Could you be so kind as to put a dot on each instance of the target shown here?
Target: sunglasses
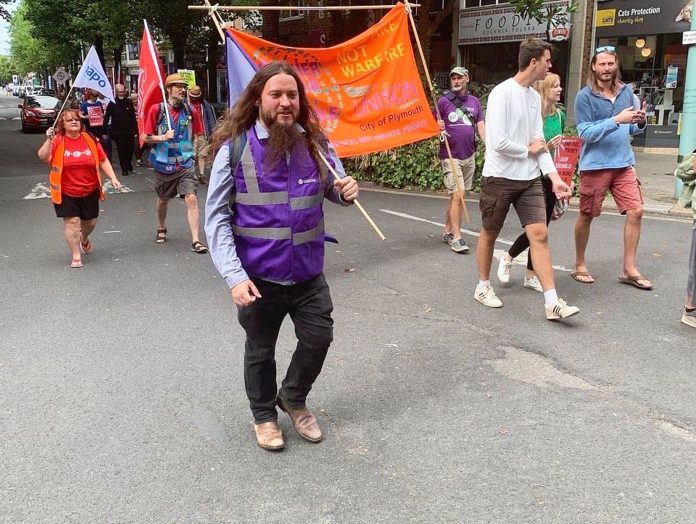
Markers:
(71, 120)
(605, 49)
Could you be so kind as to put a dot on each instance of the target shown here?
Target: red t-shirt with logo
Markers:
(153, 115)
(79, 177)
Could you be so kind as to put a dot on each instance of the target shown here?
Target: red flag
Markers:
(149, 79)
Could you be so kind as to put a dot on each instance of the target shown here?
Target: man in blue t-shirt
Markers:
(461, 115)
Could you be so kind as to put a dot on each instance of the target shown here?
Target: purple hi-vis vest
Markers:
(277, 217)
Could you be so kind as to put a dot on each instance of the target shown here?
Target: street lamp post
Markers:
(687, 138)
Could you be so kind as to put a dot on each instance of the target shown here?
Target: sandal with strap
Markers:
(198, 247)
(161, 237)
(86, 247)
(75, 263)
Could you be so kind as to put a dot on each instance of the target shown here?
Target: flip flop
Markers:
(578, 277)
(635, 282)
(75, 263)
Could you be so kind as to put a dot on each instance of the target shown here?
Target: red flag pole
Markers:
(155, 58)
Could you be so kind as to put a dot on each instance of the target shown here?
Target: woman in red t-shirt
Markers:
(79, 185)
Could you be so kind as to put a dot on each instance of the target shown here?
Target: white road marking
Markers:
(497, 253)
(17, 118)
(108, 232)
(2, 117)
(41, 190)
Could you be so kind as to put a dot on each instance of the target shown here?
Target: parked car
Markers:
(38, 112)
(45, 92)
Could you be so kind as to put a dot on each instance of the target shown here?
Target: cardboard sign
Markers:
(95, 115)
(566, 157)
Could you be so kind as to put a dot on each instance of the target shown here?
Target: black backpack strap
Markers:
(236, 146)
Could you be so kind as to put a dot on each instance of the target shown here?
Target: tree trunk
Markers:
(118, 69)
(427, 24)
(271, 22)
(179, 48)
(213, 52)
(99, 47)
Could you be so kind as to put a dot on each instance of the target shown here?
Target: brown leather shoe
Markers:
(303, 420)
(269, 436)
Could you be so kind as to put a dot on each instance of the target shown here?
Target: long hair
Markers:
(592, 81)
(544, 86)
(60, 126)
(245, 112)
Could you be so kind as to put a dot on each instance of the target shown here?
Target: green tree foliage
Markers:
(26, 50)
(542, 12)
(7, 69)
(173, 19)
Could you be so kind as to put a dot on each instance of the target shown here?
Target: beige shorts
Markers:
(200, 147)
(465, 168)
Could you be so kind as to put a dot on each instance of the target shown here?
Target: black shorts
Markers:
(86, 207)
(183, 182)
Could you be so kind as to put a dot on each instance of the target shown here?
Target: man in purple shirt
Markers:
(461, 112)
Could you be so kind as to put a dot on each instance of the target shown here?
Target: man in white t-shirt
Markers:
(516, 156)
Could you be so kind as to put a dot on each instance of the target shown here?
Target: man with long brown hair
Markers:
(265, 225)
(607, 115)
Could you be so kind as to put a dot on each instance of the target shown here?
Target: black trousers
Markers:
(309, 306)
(125, 147)
(522, 241)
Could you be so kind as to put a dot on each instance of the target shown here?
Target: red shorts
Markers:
(622, 182)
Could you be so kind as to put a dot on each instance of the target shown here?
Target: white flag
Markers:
(92, 76)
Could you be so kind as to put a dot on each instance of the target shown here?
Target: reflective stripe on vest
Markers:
(56, 173)
(280, 233)
(254, 196)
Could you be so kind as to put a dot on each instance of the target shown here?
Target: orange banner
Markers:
(367, 91)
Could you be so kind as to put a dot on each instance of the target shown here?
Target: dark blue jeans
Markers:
(309, 306)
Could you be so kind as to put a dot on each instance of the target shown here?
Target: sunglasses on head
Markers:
(605, 49)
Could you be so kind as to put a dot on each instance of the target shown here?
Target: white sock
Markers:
(550, 297)
(483, 283)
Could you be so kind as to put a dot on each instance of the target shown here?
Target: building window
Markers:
(133, 51)
(483, 3)
(292, 15)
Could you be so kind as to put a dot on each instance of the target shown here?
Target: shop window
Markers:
(483, 3)
(655, 66)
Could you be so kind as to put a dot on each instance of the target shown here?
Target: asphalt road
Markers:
(121, 384)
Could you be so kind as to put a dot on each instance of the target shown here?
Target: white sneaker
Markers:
(504, 270)
(533, 283)
(487, 297)
(560, 310)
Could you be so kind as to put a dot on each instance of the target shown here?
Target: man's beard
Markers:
(282, 139)
(457, 89)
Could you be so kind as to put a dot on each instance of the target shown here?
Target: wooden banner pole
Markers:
(213, 14)
(357, 204)
(460, 189)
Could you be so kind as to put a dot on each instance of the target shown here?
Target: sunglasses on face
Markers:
(66, 120)
(605, 49)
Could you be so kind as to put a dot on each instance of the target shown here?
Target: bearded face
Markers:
(605, 67)
(282, 140)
